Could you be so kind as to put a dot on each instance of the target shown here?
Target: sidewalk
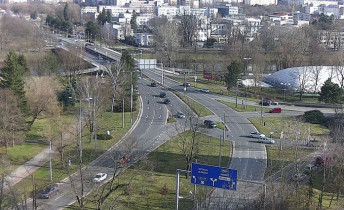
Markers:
(27, 168)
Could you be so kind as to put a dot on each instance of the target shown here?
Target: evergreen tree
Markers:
(133, 22)
(12, 76)
(233, 74)
(65, 12)
(128, 61)
(108, 16)
(68, 96)
(330, 92)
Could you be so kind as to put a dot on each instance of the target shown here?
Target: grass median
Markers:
(200, 110)
(275, 124)
(153, 180)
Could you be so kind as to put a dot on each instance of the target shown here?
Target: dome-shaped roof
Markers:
(306, 78)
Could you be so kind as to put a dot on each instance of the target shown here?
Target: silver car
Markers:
(256, 135)
(180, 115)
(266, 140)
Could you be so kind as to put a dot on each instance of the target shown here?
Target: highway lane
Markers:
(248, 158)
(150, 132)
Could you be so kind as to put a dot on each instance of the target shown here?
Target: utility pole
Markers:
(122, 112)
(261, 112)
(131, 98)
(50, 162)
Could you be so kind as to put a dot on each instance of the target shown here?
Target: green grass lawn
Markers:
(19, 154)
(108, 121)
(275, 124)
(149, 176)
(278, 159)
(242, 107)
(200, 110)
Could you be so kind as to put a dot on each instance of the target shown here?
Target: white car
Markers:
(256, 135)
(100, 177)
(205, 90)
(266, 140)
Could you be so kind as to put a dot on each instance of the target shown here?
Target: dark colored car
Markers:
(153, 84)
(209, 124)
(50, 191)
(265, 103)
(167, 101)
(187, 84)
(162, 95)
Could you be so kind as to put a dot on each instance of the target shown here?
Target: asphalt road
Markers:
(150, 132)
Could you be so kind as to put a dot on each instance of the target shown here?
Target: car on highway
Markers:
(186, 84)
(266, 140)
(153, 84)
(265, 103)
(162, 95)
(255, 134)
(299, 177)
(125, 159)
(209, 124)
(180, 115)
(50, 191)
(100, 177)
(204, 90)
(275, 110)
(167, 101)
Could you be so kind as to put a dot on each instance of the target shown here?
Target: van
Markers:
(276, 110)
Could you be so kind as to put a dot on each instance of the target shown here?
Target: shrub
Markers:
(104, 137)
(314, 117)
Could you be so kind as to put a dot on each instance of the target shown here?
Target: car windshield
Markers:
(98, 175)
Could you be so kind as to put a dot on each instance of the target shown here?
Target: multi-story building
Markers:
(144, 39)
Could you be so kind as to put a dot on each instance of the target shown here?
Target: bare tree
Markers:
(303, 80)
(40, 92)
(167, 40)
(188, 28)
(114, 72)
(315, 74)
(94, 88)
(11, 117)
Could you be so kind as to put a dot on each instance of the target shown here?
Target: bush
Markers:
(104, 137)
(314, 117)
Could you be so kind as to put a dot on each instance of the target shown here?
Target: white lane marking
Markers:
(159, 116)
(147, 116)
(160, 107)
(148, 107)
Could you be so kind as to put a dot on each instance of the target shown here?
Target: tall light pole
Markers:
(80, 126)
(236, 93)
(285, 88)
(50, 163)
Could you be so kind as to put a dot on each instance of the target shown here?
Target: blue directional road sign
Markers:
(214, 176)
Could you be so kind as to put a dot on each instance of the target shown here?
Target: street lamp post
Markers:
(284, 89)
(236, 93)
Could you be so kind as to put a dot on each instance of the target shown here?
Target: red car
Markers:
(125, 159)
(276, 110)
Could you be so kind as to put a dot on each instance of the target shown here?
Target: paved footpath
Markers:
(27, 168)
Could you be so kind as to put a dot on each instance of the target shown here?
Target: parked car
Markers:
(310, 167)
(276, 110)
(257, 135)
(266, 140)
(153, 84)
(209, 124)
(167, 101)
(265, 103)
(187, 84)
(180, 115)
(162, 95)
(274, 103)
(100, 177)
(138, 77)
(50, 191)
(205, 90)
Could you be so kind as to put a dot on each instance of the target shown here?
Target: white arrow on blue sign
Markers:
(214, 176)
